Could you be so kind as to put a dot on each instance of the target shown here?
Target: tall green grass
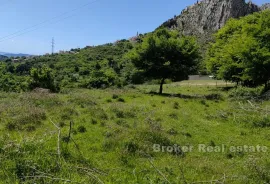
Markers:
(107, 136)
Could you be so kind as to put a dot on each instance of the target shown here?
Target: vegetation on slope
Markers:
(165, 55)
(107, 65)
(241, 52)
(113, 132)
(97, 66)
(122, 135)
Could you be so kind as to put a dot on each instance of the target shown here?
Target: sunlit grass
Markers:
(114, 130)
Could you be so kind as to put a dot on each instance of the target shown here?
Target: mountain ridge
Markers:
(205, 17)
(2, 57)
(7, 54)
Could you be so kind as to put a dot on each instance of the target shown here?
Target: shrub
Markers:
(121, 100)
(81, 129)
(262, 122)
(176, 105)
(203, 102)
(245, 93)
(99, 113)
(173, 116)
(66, 139)
(122, 123)
(30, 128)
(43, 77)
(109, 100)
(94, 121)
(11, 126)
(62, 124)
(127, 113)
(102, 124)
(131, 147)
(119, 113)
(67, 113)
(187, 134)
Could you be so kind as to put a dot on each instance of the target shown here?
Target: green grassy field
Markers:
(113, 133)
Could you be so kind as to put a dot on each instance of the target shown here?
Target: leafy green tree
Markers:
(241, 51)
(164, 55)
(43, 78)
(23, 68)
(102, 75)
(10, 68)
(12, 83)
(93, 66)
(130, 74)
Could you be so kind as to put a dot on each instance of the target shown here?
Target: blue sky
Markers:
(100, 22)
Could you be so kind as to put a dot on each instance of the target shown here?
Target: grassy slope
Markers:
(121, 128)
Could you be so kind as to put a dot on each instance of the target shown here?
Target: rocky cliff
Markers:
(207, 16)
(265, 6)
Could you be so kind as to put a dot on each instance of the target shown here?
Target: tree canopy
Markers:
(89, 67)
(241, 51)
(43, 78)
(165, 54)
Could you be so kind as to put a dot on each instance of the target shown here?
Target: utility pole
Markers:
(53, 46)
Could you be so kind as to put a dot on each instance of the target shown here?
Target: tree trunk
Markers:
(161, 86)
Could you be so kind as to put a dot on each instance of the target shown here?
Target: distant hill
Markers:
(13, 54)
(3, 57)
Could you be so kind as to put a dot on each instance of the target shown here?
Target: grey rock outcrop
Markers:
(265, 6)
(207, 16)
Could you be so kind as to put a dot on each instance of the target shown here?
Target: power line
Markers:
(28, 29)
(44, 22)
(60, 20)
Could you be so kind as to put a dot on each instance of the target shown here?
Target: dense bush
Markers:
(43, 78)
(246, 93)
(165, 54)
(13, 83)
(91, 67)
(241, 51)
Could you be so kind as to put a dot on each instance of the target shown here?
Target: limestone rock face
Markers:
(265, 6)
(207, 16)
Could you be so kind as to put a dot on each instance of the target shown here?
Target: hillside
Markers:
(206, 17)
(128, 113)
(13, 54)
(2, 57)
(97, 66)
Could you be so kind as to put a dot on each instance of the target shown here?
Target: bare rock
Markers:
(207, 16)
(265, 6)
